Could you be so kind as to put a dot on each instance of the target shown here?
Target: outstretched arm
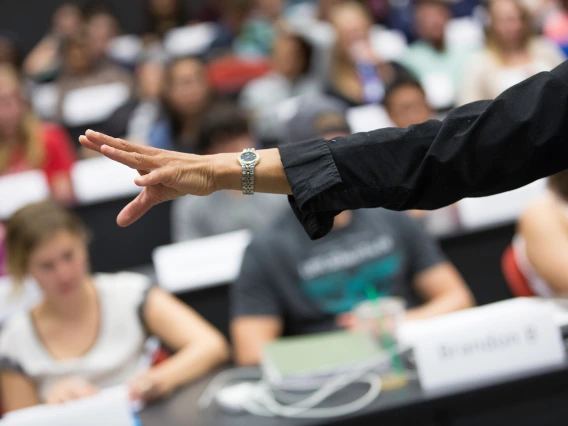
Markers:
(480, 149)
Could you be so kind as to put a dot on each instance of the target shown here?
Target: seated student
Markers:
(187, 95)
(224, 129)
(291, 284)
(28, 144)
(90, 330)
(540, 248)
(406, 104)
(290, 77)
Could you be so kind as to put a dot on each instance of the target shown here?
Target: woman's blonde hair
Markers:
(32, 225)
(342, 66)
(492, 41)
(30, 127)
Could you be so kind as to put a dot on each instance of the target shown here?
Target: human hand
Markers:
(164, 174)
(347, 321)
(148, 386)
(70, 389)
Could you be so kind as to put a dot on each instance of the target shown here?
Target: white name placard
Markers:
(200, 263)
(485, 344)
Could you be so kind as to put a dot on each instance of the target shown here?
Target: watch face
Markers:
(248, 157)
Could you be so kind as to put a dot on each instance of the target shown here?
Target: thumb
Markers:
(135, 209)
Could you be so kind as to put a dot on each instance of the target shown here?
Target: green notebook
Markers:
(301, 362)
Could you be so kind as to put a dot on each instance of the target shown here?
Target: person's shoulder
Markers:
(538, 214)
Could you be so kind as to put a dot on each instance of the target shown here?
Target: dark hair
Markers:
(398, 85)
(32, 225)
(168, 113)
(14, 43)
(440, 3)
(223, 121)
(99, 7)
(306, 51)
(559, 184)
(153, 23)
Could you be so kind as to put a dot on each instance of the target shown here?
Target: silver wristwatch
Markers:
(248, 159)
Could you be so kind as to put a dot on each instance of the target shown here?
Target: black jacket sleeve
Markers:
(480, 149)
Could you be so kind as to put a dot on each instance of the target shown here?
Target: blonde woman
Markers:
(357, 74)
(512, 53)
(28, 144)
(89, 331)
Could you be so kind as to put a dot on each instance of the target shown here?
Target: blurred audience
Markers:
(89, 87)
(357, 74)
(101, 27)
(230, 17)
(430, 59)
(28, 144)
(187, 96)
(45, 60)
(556, 26)
(163, 16)
(325, 9)
(290, 77)
(89, 331)
(225, 129)
(291, 284)
(512, 53)
(258, 32)
(536, 264)
(135, 119)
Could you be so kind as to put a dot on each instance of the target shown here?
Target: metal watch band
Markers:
(248, 179)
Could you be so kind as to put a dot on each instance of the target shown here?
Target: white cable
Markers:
(306, 411)
(221, 380)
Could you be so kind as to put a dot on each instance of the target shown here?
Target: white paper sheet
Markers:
(111, 407)
(100, 179)
(367, 118)
(200, 263)
(500, 208)
(20, 189)
(190, 40)
(93, 104)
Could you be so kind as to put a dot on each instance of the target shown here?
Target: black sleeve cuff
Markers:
(310, 170)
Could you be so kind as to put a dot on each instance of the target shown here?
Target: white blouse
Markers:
(114, 357)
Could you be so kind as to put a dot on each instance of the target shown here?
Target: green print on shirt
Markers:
(340, 291)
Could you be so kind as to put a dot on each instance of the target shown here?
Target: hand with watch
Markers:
(166, 175)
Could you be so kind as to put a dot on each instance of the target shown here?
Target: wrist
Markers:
(227, 172)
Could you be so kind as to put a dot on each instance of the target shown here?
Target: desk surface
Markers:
(538, 399)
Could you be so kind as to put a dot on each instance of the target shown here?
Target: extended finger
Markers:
(83, 140)
(135, 209)
(100, 139)
(133, 160)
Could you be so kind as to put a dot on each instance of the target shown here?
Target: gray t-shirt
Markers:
(307, 283)
(222, 211)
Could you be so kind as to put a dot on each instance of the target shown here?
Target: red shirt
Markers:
(59, 154)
